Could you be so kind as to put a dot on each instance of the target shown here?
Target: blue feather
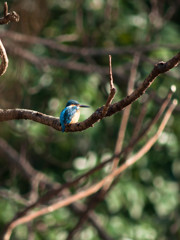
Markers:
(66, 116)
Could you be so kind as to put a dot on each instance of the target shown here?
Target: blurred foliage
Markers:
(145, 202)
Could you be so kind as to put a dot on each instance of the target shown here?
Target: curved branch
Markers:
(161, 67)
(8, 17)
(4, 59)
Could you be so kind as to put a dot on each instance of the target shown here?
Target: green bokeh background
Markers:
(144, 205)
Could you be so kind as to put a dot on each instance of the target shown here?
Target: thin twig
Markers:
(112, 90)
(110, 73)
(5, 9)
(80, 195)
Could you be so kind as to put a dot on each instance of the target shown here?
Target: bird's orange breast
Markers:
(75, 118)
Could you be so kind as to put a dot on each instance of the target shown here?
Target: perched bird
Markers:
(70, 114)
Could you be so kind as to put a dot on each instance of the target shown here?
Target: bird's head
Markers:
(75, 103)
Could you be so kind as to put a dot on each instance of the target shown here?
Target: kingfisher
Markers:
(71, 113)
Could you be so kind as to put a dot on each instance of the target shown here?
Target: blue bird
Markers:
(70, 114)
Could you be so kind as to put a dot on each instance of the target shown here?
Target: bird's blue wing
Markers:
(62, 120)
(69, 113)
(66, 116)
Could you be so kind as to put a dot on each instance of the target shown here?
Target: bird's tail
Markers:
(63, 127)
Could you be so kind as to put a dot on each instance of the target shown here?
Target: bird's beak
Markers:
(85, 106)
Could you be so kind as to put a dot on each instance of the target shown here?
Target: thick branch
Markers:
(10, 114)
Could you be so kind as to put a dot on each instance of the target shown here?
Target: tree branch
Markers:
(112, 90)
(11, 114)
(4, 59)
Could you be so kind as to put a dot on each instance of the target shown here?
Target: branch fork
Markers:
(9, 17)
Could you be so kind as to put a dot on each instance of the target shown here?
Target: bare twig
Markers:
(159, 68)
(5, 9)
(112, 90)
(110, 73)
(9, 17)
(82, 194)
